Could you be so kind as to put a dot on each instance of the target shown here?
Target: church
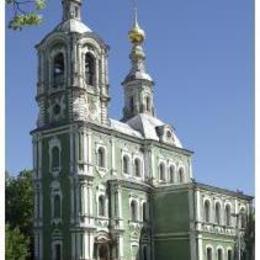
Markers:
(117, 189)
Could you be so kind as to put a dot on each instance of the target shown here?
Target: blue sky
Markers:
(200, 55)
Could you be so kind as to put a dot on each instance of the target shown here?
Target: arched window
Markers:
(58, 70)
(57, 251)
(227, 215)
(172, 170)
(220, 254)
(229, 254)
(101, 157)
(137, 165)
(209, 253)
(126, 164)
(145, 211)
(101, 206)
(148, 103)
(57, 206)
(207, 211)
(89, 69)
(131, 104)
(145, 253)
(162, 172)
(181, 175)
(217, 213)
(55, 152)
(242, 218)
(133, 210)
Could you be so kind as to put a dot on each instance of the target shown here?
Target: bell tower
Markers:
(72, 72)
(138, 84)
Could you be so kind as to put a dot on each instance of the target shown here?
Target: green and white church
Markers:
(108, 189)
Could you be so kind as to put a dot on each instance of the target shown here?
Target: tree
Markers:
(19, 204)
(16, 244)
(25, 12)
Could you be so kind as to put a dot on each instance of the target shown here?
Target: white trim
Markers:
(53, 244)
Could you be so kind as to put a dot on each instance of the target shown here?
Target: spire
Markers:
(71, 9)
(138, 85)
(137, 56)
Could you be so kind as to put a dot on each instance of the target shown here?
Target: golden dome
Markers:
(136, 34)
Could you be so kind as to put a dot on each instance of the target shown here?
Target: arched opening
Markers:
(229, 254)
(181, 175)
(103, 252)
(145, 211)
(57, 251)
(227, 215)
(207, 211)
(242, 218)
(58, 70)
(148, 103)
(172, 171)
(131, 104)
(89, 69)
(55, 152)
(101, 157)
(217, 213)
(133, 210)
(137, 165)
(145, 253)
(101, 206)
(220, 254)
(162, 172)
(209, 253)
(125, 164)
(57, 206)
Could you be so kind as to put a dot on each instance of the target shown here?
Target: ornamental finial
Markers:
(136, 34)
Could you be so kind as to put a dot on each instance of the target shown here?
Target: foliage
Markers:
(25, 12)
(19, 204)
(16, 244)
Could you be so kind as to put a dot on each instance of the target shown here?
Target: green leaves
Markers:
(25, 13)
(19, 210)
(16, 244)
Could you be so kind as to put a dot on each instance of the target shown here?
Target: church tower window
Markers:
(58, 70)
(137, 164)
(89, 69)
(55, 158)
(57, 206)
(126, 164)
(131, 105)
(229, 254)
(207, 211)
(101, 206)
(148, 103)
(209, 254)
(220, 254)
(133, 210)
(144, 211)
(145, 253)
(227, 215)
(101, 157)
(217, 213)
(162, 172)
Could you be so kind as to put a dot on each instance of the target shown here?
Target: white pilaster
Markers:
(198, 209)
(200, 248)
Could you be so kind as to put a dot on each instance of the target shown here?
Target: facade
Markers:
(108, 189)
